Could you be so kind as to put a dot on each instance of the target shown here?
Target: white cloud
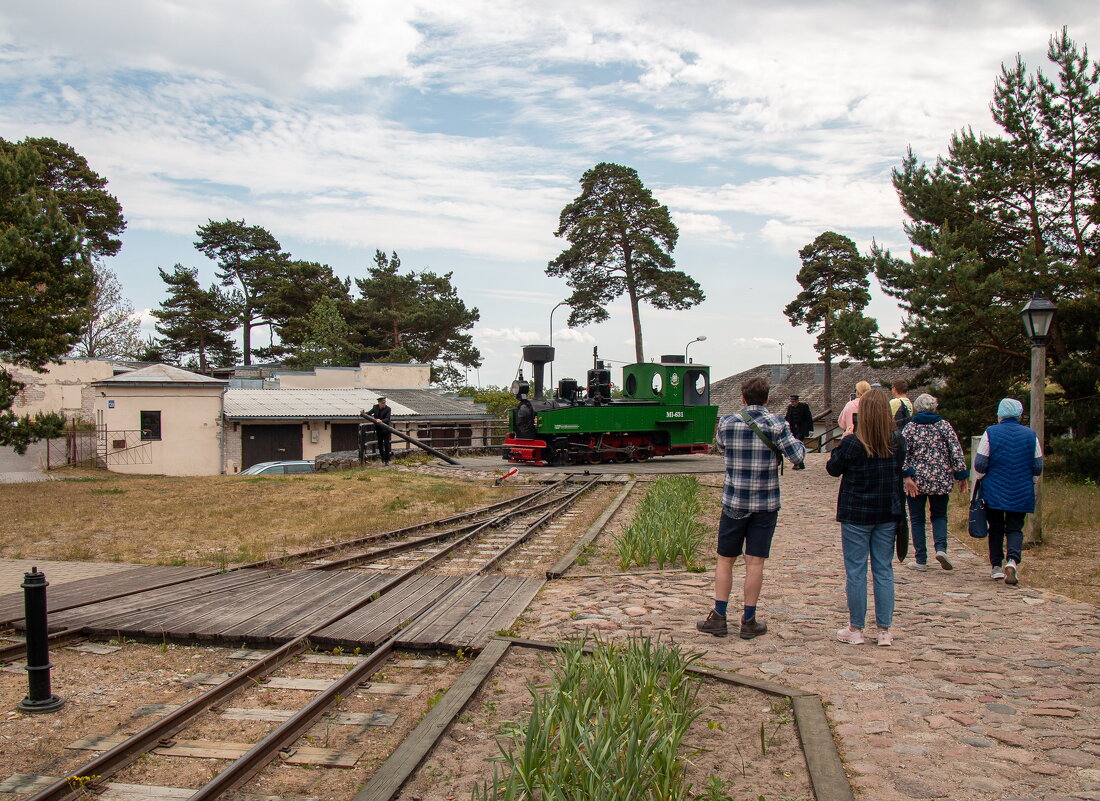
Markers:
(518, 335)
(574, 335)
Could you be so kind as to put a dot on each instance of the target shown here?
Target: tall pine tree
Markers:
(195, 323)
(621, 242)
(248, 258)
(45, 283)
(834, 294)
(996, 219)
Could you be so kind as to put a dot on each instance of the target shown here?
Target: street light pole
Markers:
(563, 303)
(1037, 317)
(688, 345)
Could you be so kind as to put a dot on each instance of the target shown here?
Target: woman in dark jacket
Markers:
(1008, 458)
(868, 507)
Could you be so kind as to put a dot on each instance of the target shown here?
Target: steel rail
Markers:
(473, 529)
(281, 561)
(284, 736)
(120, 756)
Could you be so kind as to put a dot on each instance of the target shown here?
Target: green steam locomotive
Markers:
(664, 409)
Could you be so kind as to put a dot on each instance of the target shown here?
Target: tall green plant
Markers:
(610, 728)
(665, 528)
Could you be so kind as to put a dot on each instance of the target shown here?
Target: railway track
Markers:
(406, 547)
(509, 527)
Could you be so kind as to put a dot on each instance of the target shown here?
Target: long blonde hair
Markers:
(876, 426)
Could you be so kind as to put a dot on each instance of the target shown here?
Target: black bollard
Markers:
(39, 697)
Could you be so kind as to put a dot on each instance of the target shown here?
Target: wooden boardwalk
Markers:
(269, 607)
(73, 593)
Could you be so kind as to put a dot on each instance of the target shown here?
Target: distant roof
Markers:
(807, 381)
(160, 374)
(330, 404)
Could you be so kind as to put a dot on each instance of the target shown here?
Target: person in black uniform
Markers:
(801, 420)
(381, 411)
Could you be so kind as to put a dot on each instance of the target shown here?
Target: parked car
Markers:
(279, 468)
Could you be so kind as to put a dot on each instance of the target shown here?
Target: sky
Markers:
(454, 134)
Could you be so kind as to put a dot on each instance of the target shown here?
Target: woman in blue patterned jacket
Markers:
(1008, 459)
(934, 461)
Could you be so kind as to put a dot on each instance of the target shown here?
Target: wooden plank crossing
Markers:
(83, 591)
(270, 607)
(473, 616)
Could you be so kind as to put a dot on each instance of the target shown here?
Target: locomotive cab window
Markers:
(658, 383)
(696, 388)
(631, 385)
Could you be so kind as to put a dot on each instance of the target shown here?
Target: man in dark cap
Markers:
(381, 411)
(801, 420)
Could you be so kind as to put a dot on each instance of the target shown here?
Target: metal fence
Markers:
(97, 448)
(451, 438)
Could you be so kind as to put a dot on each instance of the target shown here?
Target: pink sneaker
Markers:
(885, 637)
(850, 635)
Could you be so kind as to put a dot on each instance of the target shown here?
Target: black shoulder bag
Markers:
(764, 438)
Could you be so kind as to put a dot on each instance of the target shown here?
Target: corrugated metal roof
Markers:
(161, 374)
(327, 404)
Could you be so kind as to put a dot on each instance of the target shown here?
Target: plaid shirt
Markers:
(752, 473)
(870, 487)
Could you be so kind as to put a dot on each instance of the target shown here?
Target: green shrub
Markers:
(1080, 457)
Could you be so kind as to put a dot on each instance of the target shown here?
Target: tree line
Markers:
(996, 219)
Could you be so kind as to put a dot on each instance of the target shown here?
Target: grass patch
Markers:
(1066, 561)
(665, 528)
(216, 521)
(609, 728)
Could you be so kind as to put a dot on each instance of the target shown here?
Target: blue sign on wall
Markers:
(110, 404)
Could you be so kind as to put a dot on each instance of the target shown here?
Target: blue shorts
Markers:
(750, 535)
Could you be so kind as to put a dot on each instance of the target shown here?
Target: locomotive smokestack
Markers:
(539, 356)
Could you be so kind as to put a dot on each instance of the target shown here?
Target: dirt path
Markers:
(990, 692)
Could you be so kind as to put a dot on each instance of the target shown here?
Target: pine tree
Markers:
(325, 340)
(249, 258)
(196, 323)
(834, 294)
(621, 242)
(414, 316)
(45, 283)
(996, 219)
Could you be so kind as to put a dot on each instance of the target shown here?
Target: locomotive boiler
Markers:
(664, 408)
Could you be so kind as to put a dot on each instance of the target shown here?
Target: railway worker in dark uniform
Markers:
(755, 442)
(381, 411)
(800, 419)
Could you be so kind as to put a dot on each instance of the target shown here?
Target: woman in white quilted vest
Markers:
(934, 462)
(1008, 459)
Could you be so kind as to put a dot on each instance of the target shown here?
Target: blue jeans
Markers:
(938, 506)
(877, 541)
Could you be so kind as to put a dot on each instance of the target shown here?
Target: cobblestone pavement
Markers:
(988, 693)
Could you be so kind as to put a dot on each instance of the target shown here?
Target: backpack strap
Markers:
(764, 438)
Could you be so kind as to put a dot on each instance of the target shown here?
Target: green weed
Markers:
(665, 528)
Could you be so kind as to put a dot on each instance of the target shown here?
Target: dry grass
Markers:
(1067, 560)
(217, 520)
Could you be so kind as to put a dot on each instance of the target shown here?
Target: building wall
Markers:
(191, 429)
(373, 375)
(64, 387)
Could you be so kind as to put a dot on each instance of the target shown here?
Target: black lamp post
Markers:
(1037, 316)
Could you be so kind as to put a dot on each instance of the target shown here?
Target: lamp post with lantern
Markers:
(1037, 316)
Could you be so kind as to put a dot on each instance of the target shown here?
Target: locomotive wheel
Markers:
(594, 457)
(642, 455)
(620, 457)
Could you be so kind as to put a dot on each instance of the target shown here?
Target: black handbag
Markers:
(977, 524)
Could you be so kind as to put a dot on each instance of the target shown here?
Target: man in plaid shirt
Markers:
(750, 502)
